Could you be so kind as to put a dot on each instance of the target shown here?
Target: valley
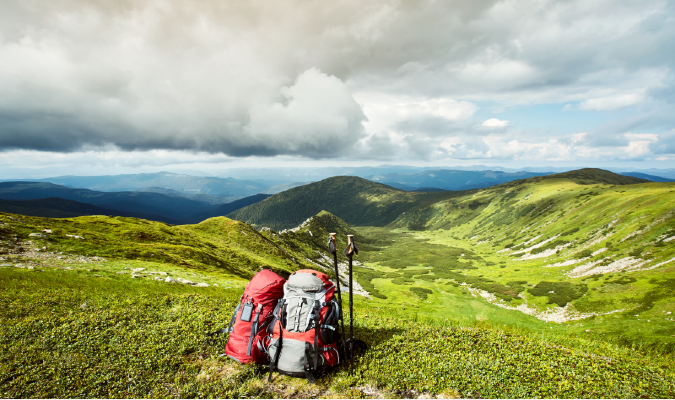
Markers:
(565, 278)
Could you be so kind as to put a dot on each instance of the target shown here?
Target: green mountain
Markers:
(356, 200)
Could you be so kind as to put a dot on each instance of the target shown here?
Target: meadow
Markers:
(559, 288)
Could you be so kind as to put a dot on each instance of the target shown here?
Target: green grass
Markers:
(69, 335)
(442, 276)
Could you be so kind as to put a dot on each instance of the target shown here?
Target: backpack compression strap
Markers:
(308, 371)
(254, 329)
(274, 360)
(317, 316)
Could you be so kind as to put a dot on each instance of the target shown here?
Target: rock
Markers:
(215, 284)
(75, 236)
(202, 284)
(184, 281)
(121, 272)
(31, 267)
(83, 305)
(19, 266)
(668, 313)
(137, 270)
(169, 279)
(36, 235)
(157, 273)
(47, 230)
(137, 276)
(157, 278)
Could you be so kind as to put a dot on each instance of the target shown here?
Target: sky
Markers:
(100, 87)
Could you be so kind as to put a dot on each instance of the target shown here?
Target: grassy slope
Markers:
(74, 334)
(353, 199)
(64, 326)
(583, 222)
(217, 244)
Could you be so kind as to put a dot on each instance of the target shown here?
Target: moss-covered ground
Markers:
(72, 334)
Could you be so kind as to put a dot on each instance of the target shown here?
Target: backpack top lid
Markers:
(265, 286)
(307, 283)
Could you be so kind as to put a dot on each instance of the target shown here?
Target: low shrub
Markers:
(421, 292)
(559, 293)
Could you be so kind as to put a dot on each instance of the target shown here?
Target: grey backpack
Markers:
(304, 333)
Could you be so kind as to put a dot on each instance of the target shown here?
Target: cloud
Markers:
(317, 118)
(494, 122)
(610, 103)
(320, 79)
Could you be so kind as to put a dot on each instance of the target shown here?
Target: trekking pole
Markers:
(332, 247)
(349, 251)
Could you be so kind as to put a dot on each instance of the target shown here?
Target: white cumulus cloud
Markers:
(495, 123)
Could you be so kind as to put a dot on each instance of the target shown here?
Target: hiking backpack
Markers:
(248, 338)
(304, 332)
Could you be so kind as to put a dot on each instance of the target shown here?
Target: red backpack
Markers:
(248, 336)
(304, 333)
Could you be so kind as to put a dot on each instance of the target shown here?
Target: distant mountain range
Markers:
(451, 180)
(364, 203)
(54, 207)
(50, 200)
(648, 177)
(316, 174)
(179, 198)
(185, 185)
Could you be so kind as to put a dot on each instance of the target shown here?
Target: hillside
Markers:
(355, 200)
(556, 286)
(586, 250)
(123, 310)
(215, 245)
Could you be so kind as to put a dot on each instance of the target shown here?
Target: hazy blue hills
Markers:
(648, 177)
(225, 209)
(142, 202)
(187, 184)
(55, 207)
(451, 179)
(205, 198)
(42, 199)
